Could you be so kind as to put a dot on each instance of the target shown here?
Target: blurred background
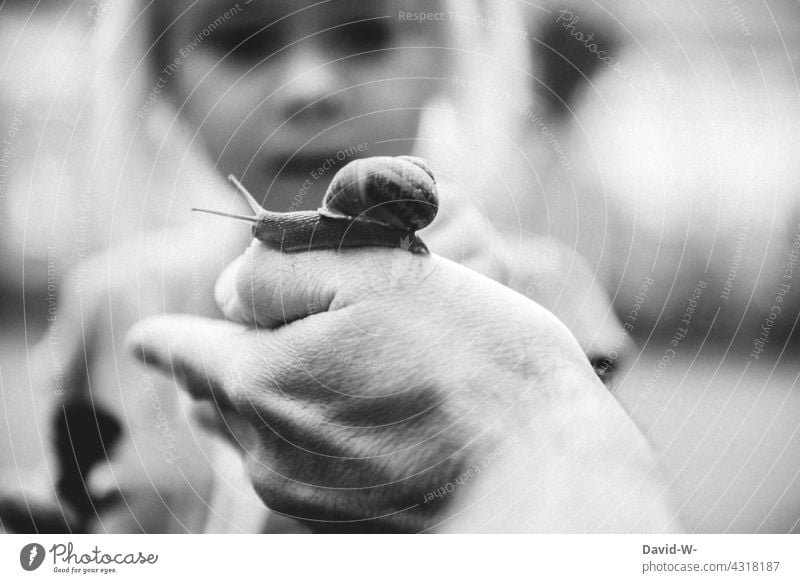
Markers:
(659, 141)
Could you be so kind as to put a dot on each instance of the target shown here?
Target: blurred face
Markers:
(280, 88)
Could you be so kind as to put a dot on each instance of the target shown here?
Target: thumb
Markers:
(198, 352)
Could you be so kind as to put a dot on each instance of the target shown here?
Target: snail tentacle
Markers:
(257, 208)
(228, 215)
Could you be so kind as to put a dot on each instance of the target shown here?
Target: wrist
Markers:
(578, 465)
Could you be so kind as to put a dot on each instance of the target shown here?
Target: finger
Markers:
(462, 235)
(270, 288)
(198, 352)
(33, 516)
(225, 424)
(31, 506)
(227, 297)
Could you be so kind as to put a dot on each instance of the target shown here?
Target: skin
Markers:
(306, 87)
(147, 485)
(127, 284)
(541, 268)
(126, 291)
(344, 447)
(224, 99)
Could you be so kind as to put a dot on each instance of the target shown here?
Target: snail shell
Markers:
(378, 201)
(399, 193)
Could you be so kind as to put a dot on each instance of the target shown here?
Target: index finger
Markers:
(269, 288)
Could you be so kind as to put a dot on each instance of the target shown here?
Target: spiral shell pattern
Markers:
(399, 193)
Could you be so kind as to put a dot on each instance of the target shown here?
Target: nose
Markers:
(310, 89)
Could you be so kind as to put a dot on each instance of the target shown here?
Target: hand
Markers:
(114, 450)
(374, 378)
(541, 268)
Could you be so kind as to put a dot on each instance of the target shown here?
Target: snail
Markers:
(380, 201)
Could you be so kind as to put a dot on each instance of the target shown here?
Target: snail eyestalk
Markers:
(257, 208)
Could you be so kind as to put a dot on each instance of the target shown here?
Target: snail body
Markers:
(380, 201)
(308, 230)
